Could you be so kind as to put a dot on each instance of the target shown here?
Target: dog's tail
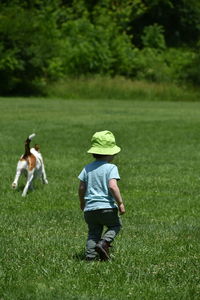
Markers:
(31, 136)
(27, 145)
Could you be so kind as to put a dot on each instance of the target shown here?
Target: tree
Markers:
(179, 18)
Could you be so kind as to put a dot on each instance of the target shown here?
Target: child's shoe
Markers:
(102, 248)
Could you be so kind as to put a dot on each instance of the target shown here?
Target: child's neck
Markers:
(107, 158)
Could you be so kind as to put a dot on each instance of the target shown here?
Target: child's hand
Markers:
(122, 209)
(82, 205)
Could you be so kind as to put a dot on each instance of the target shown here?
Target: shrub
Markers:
(86, 48)
(29, 43)
(153, 37)
(150, 65)
(162, 66)
(94, 48)
(178, 61)
(191, 70)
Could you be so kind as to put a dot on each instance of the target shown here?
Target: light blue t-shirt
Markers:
(96, 176)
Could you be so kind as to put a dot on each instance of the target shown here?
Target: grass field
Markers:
(157, 254)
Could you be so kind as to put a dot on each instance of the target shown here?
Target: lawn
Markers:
(156, 255)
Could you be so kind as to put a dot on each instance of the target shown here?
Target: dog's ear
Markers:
(37, 147)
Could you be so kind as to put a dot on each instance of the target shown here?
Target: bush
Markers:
(150, 65)
(40, 45)
(29, 43)
(178, 61)
(86, 48)
(153, 37)
(191, 70)
(94, 48)
(162, 66)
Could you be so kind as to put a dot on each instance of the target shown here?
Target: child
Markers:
(100, 197)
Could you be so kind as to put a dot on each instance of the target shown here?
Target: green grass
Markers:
(118, 88)
(157, 254)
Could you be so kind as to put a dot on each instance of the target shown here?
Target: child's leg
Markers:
(111, 220)
(111, 233)
(94, 234)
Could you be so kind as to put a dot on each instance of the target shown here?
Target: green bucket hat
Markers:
(103, 142)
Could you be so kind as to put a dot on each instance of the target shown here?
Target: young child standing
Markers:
(100, 197)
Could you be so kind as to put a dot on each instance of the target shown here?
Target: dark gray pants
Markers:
(96, 221)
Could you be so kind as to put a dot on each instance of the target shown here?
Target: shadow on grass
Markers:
(20, 189)
(79, 256)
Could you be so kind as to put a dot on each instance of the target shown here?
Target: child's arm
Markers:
(81, 193)
(116, 194)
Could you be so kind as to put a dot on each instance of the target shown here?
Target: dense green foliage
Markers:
(43, 41)
(156, 255)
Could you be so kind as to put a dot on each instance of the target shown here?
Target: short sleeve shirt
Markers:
(96, 175)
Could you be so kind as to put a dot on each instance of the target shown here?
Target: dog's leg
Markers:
(29, 182)
(15, 182)
(44, 176)
(43, 173)
(31, 185)
(20, 166)
(30, 173)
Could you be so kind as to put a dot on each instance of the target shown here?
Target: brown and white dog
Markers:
(31, 164)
